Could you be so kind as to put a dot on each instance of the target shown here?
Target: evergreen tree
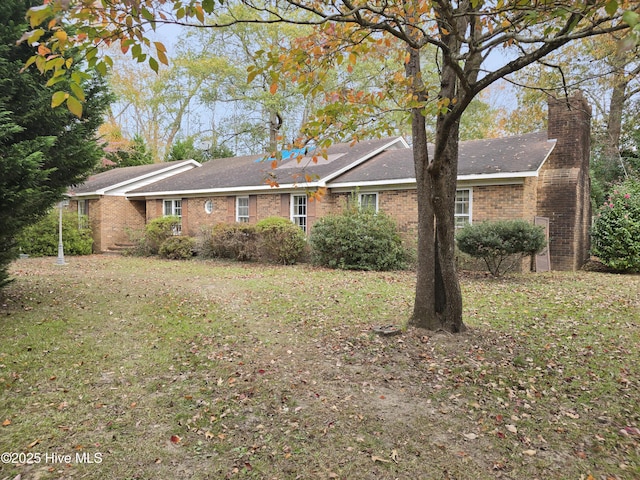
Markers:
(43, 151)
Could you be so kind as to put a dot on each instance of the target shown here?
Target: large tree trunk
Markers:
(438, 300)
(614, 121)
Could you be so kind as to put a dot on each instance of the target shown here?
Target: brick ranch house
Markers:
(541, 177)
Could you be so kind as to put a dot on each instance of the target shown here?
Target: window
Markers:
(83, 214)
(174, 208)
(299, 211)
(208, 207)
(463, 208)
(242, 209)
(368, 201)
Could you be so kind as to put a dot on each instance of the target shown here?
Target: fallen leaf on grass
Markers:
(394, 455)
(531, 453)
(375, 458)
(6, 423)
(470, 436)
(175, 439)
(512, 428)
(630, 431)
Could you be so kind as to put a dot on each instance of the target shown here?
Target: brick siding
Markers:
(112, 220)
(564, 185)
(561, 193)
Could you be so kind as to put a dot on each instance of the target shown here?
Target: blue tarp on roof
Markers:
(287, 154)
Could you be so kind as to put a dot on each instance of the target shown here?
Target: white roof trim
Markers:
(374, 183)
(412, 181)
(363, 159)
(494, 176)
(225, 190)
(142, 180)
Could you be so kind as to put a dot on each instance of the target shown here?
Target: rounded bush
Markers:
(615, 236)
(156, 232)
(358, 239)
(237, 241)
(280, 240)
(501, 244)
(177, 247)
(41, 239)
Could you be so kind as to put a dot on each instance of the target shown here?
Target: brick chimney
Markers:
(564, 186)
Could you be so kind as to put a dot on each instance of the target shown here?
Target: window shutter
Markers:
(285, 208)
(253, 208)
(231, 209)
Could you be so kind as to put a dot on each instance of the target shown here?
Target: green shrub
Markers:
(615, 234)
(280, 240)
(41, 239)
(357, 239)
(155, 233)
(501, 244)
(177, 247)
(237, 241)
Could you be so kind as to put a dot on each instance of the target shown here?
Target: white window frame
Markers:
(368, 194)
(83, 213)
(462, 218)
(172, 207)
(242, 211)
(298, 216)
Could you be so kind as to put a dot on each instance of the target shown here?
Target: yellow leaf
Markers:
(200, 14)
(39, 14)
(163, 57)
(58, 98)
(77, 91)
(61, 35)
(74, 106)
(6, 423)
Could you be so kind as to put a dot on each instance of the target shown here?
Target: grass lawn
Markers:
(129, 368)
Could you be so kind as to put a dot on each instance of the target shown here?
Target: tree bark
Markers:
(438, 299)
(614, 121)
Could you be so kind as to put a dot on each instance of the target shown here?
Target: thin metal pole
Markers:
(60, 260)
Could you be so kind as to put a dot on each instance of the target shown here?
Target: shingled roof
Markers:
(118, 180)
(387, 161)
(516, 156)
(250, 173)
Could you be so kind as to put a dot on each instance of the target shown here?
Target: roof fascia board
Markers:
(497, 176)
(226, 191)
(147, 178)
(493, 178)
(387, 184)
(363, 159)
